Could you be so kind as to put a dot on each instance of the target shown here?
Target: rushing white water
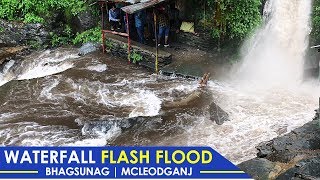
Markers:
(47, 64)
(98, 67)
(275, 54)
(4, 75)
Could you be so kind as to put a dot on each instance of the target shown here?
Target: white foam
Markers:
(42, 70)
(256, 116)
(6, 75)
(46, 91)
(146, 103)
(33, 134)
(98, 67)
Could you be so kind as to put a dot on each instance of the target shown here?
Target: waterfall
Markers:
(275, 54)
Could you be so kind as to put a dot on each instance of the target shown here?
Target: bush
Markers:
(91, 35)
(62, 39)
(37, 10)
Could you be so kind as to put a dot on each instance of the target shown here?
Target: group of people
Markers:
(168, 23)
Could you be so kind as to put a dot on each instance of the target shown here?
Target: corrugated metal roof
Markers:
(139, 6)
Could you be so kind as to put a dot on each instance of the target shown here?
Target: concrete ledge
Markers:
(119, 46)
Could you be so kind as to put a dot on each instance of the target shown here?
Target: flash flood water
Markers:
(56, 98)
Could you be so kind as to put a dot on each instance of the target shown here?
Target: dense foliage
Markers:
(37, 10)
(233, 19)
(315, 34)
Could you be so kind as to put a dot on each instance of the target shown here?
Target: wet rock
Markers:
(7, 53)
(84, 20)
(298, 153)
(12, 34)
(258, 168)
(305, 169)
(36, 32)
(217, 114)
(285, 148)
(88, 48)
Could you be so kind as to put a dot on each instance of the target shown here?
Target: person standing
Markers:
(114, 18)
(140, 19)
(164, 26)
(150, 24)
(174, 21)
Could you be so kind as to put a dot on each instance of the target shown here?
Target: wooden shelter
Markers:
(135, 6)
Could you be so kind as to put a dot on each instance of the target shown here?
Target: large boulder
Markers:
(9, 52)
(293, 156)
(287, 147)
(12, 34)
(259, 168)
(304, 169)
(85, 20)
(217, 114)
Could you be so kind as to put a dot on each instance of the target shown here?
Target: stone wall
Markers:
(118, 46)
(201, 41)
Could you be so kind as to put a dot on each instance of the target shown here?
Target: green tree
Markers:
(234, 19)
(37, 10)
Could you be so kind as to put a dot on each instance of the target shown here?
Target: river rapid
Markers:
(56, 98)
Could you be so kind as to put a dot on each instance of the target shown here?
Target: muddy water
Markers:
(56, 98)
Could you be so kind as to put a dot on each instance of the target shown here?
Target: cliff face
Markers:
(292, 156)
(13, 34)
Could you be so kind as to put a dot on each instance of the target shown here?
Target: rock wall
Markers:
(201, 41)
(292, 156)
(13, 34)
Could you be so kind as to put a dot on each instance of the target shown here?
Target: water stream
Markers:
(56, 98)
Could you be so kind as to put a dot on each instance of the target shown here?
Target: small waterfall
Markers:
(275, 54)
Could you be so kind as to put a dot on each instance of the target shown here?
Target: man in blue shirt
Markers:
(140, 19)
(114, 18)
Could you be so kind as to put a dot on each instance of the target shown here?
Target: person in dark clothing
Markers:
(150, 24)
(140, 19)
(174, 21)
(114, 18)
(164, 26)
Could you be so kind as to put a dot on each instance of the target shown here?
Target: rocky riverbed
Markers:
(293, 156)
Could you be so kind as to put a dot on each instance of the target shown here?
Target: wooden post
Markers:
(156, 36)
(128, 32)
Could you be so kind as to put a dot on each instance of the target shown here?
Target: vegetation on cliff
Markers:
(315, 33)
(232, 19)
(34, 11)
